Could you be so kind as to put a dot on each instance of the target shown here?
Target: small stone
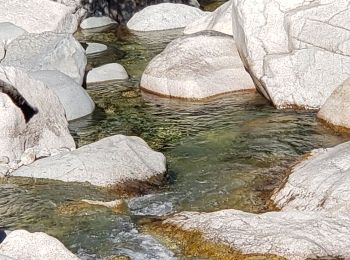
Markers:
(4, 170)
(112, 71)
(96, 22)
(4, 160)
(28, 157)
(95, 48)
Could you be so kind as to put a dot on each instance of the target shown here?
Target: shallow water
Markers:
(227, 152)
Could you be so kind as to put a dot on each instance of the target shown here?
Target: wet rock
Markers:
(96, 22)
(21, 244)
(336, 110)
(164, 17)
(117, 206)
(114, 160)
(9, 32)
(298, 52)
(293, 234)
(47, 51)
(220, 20)
(75, 100)
(111, 71)
(19, 132)
(152, 205)
(197, 66)
(37, 16)
(95, 48)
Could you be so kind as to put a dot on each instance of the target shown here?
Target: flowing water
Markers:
(226, 152)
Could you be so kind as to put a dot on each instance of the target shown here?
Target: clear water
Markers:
(227, 152)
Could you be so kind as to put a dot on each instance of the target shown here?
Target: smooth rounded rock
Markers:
(164, 17)
(9, 32)
(197, 66)
(95, 48)
(112, 71)
(96, 22)
(75, 100)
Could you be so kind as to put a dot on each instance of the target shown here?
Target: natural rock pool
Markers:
(226, 152)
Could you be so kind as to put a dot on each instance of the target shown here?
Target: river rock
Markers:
(164, 17)
(75, 100)
(96, 22)
(9, 32)
(37, 16)
(95, 48)
(220, 20)
(336, 109)
(298, 51)
(197, 66)
(47, 129)
(47, 51)
(319, 183)
(293, 234)
(114, 160)
(21, 244)
(111, 71)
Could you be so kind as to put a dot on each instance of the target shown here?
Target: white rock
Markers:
(95, 48)
(319, 183)
(36, 16)
(4, 170)
(4, 160)
(2, 50)
(107, 204)
(95, 22)
(9, 32)
(21, 244)
(111, 71)
(48, 51)
(220, 20)
(197, 66)
(113, 160)
(164, 17)
(297, 51)
(294, 235)
(336, 110)
(28, 156)
(75, 100)
(46, 129)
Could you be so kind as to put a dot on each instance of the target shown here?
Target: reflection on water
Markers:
(227, 152)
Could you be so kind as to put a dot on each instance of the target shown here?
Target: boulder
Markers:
(298, 51)
(21, 244)
(164, 17)
(111, 161)
(220, 20)
(75, 100)
(319, 183)
(96, 22)
(40, 125)
(47, 51)
(111, 71)
(197, 66)
(294, 235)
(95, 48)
(9, 32)
(336, 110)
(37, 16)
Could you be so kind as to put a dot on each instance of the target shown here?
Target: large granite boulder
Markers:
(336, 110)
(297, 51)
(47, 51)
(220, 20)
(164, 17)
(37, 16)
(21, 244)
(197, 66)
(111, 161)
(9, 32)
(294, 235)
(31, 116)
(75, 100)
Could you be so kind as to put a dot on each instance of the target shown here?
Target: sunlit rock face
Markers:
(297, 51)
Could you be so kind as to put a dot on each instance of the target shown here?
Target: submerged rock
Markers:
(96, 22)
(47, 51)
(21, 244)
(111, 71)
(37, 16)
(164, 17)
(75, 100)
(115, 160)
(45, 127)
(220, 20)
(336, 109)
(298, 52)
(197, 66)
(9, 32)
